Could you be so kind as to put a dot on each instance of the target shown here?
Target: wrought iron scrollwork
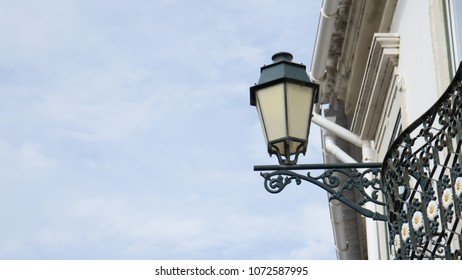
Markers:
(423, 178)
(337, 181)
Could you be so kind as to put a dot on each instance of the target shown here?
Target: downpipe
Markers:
(367, 156)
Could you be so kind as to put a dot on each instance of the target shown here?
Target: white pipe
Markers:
(317, 74)
(336, 209)
(373, 250)
(336, 151)
(338, 130)
(337, 218)
(321, 50)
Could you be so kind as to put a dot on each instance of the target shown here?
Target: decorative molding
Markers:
(393, 117)
(383, 58)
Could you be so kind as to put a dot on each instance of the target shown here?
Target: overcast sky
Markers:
(126, 131)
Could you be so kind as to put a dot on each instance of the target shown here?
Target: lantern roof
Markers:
(283, 67)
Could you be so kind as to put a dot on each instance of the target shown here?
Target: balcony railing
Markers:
(422, 175)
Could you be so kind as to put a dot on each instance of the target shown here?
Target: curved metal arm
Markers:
(331, 181)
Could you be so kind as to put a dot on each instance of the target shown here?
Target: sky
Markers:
(126, 131)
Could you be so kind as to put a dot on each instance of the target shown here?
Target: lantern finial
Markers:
(282, 56)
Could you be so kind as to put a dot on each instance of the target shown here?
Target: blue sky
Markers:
(126, 131)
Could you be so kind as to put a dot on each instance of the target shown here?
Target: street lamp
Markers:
(284, 98)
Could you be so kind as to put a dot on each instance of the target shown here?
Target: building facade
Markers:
(381, 64)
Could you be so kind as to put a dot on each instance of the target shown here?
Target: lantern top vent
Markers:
(282, 56)
(283, 67)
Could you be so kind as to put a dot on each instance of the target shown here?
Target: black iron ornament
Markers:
(423, 179)
(339, 180)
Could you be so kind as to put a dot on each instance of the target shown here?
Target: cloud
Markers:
(127, 124)
(30, 155)
(23, 162)
(189, 227)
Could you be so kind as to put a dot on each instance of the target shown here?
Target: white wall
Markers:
(416, 60)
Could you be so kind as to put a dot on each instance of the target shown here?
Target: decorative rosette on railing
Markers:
(422, 175)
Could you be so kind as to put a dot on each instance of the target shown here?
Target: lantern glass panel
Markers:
(271, 109)
(299, 99)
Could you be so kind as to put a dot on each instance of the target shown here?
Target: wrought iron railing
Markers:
(422, 173)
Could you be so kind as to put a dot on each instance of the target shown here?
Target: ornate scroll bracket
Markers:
(337, 180)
